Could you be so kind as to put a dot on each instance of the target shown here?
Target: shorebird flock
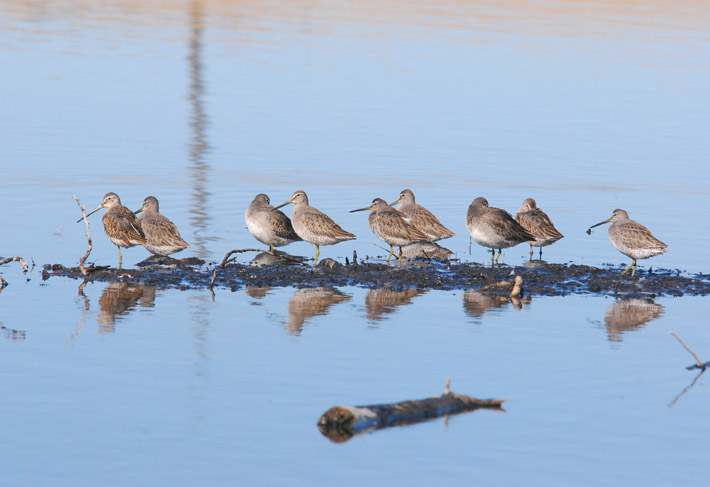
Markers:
(408, 224)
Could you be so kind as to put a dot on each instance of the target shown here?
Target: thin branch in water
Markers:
(82, 260)
(699, 363)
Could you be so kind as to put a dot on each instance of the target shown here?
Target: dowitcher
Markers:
(494, 228)
(389, 225)
(312, 225)
(631, 238)
(538, 224)
(269, 227)
(163, 237)
(423, 219)
(120, 224)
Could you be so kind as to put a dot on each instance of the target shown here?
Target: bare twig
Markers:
(379, 246)
(226, 260)
(3, 282)
(82, 260)
(699, 362)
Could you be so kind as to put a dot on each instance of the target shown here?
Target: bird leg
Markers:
(391, 252)
(317, 254)
(400, 255)
(500, 251)
(633, 264)
(120, 257)
(271, 248)
(531, 252)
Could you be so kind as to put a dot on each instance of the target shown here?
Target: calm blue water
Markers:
(169, 387)
(585, 106)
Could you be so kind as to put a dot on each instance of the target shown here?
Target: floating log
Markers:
(341, 423)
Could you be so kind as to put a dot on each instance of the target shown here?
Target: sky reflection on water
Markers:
(184, 388)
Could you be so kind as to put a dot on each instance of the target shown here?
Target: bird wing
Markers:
(504, 224)
(282, 225)
(122, 224)
(159, 229)
(427, 222)
(321, 224)
(634, 235)
(538, 224)
(392, 224)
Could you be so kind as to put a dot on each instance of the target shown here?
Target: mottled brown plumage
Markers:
(120, 224)
(312, 225)
(423, 219)
(538, 224)
(493, 227)
(390, 226)
(163, 237)
(631, 238)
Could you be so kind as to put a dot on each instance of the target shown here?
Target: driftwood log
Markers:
(340, 423)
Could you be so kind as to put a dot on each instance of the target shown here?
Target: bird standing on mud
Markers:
(390, 226)
(120, 224)
(269, 226)
(538, 224)
(163, 237)
(631, 238)
(494, 228)
(312, 225)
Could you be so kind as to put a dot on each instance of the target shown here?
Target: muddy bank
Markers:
(540, 278)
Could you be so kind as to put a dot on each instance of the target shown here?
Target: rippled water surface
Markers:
(585, 106)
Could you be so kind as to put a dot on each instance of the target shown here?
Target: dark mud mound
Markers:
(539, 277)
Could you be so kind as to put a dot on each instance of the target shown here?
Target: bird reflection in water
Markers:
(629, 314)
(476, 303)
(11, 334)
(380, 302)
(258, 292)
(119, 298)
(309, 302)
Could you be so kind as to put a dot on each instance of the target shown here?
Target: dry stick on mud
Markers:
(229, 254)
(3, 282)
(699, 363)
(82, 260)
(340, 423)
